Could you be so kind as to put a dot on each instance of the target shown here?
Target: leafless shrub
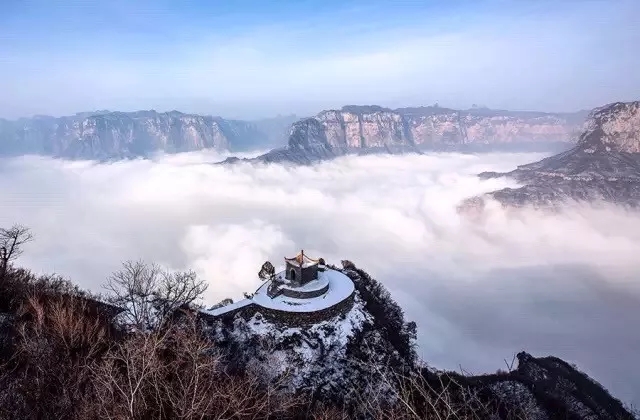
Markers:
(329, 412)
(150, 295)
(56, 338)
(176, 373)
(11, 242)
(420, 395)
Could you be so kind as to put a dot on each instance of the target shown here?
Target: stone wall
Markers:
(300, 319)
(297, 294)
(288, 319)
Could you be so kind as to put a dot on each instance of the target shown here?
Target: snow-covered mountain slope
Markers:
(338, 357)
(365, 355)
(604, 166)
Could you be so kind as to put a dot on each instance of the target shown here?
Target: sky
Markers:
(479, 290)
(253, 59)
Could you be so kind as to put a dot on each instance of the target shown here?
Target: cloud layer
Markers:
(563, 284)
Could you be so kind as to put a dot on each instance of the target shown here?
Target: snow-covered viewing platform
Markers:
(304, 287)
(338, 288)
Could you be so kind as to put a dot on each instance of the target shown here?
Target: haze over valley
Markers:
(320, 210)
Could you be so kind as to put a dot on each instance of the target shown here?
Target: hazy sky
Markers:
(252, 58)
(561, 284)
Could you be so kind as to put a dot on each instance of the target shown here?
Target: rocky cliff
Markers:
(114, 135)
(374, 129)
(604, 166)
(356, 127)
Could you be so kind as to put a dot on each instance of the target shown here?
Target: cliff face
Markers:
(356, 127)
(113, 135)
(603, 166)
(615, 127)
(374, 129)
(353, 129)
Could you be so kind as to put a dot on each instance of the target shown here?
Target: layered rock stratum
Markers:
(604, 166)
(352, 129)
(374, 129)
(115, 135)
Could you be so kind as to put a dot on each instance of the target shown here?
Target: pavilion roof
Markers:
(301, 260)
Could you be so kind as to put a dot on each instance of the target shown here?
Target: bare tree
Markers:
(150, 295)
(11, 242)
(125, 377)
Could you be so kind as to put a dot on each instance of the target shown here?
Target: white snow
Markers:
(319, 353)
(230, 307)
(313, 285)
(340, 288)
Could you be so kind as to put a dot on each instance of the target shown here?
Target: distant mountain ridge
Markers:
(604, 166)
(375, 129)
(115, 135)
(352, 129)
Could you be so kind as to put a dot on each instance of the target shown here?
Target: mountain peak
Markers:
(364, 109)
(614, 127)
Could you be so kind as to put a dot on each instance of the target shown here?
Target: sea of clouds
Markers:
(480, 290)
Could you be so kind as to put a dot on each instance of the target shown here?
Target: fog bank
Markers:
(563, 284)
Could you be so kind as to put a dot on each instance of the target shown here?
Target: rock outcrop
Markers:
(333, 357)
(604, 166)
(116, 135)
(539, 388)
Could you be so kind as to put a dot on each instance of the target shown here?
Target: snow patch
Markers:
(317, 357)
(228, 308)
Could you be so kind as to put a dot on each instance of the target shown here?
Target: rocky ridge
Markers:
(540, 388)
(374, 129)
(355, 354)
(331, 133)
(355, 127)
(604, 166)
(116, 135)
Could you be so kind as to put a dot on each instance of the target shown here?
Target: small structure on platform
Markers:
(301, 269)
(299, 279)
